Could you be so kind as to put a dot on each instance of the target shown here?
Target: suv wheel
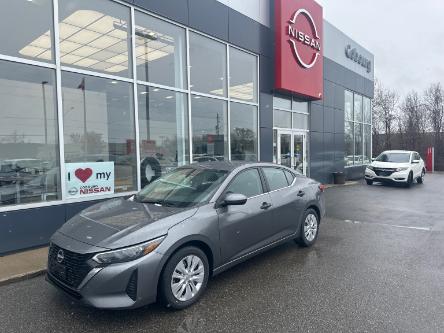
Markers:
(369, 181)
(409, 180)
(309, 229)
(184, 278)
(420, 179)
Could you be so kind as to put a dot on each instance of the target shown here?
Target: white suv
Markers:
(396, 166)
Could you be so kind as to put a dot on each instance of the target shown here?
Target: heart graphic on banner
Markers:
(83, 174)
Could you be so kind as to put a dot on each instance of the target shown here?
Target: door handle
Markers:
(266, 205)
(301, 193)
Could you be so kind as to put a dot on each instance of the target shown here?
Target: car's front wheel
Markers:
(309, 228)
(184, 278)
(420, 179)
(369, 181)
(409, 180)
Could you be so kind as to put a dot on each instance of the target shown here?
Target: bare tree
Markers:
(384, 113)
(434, 102)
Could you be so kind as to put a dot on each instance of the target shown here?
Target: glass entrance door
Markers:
(291, 150)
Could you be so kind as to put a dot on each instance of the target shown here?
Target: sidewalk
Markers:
(23, 265)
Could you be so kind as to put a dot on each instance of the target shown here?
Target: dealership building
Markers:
(101, 97)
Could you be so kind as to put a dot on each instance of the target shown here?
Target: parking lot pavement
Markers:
(363, 274)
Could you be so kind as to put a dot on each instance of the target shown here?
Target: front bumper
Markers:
(395, 177)
(118, 286)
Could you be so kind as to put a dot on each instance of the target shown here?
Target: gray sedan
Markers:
(193, 223)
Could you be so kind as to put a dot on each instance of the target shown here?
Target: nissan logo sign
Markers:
(60, 256)
(306, 39)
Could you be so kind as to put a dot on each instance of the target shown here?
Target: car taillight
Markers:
(322, 187)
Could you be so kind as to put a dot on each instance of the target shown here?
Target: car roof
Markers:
(399, 151)
(227, 165)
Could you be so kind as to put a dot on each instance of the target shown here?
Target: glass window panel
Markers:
(358, 107)
(282, 119)
(247, 183)
(367, 144)
(243, 132)
(98, 117)
(243, 75)
(299, 106)
(95, 35)
(160, 51)
(367, 107)
(209, 122)
(163, 128)
(26, 29)
(282, 103)
(349, 143)
(348, 105)
(300, 121)
(274, 146)
(29, 151)
(275, 178)
(208, 65)
(358, 144)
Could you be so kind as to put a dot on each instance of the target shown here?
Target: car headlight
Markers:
(128, 253)
(402, 169)
(369, 167)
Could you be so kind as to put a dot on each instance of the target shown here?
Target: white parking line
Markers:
(391, 225)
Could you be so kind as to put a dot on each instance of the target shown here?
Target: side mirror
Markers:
(234, 199)
(415, 162)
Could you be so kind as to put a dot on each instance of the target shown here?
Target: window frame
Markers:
(132, 79)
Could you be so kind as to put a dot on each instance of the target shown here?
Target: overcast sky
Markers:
(406, 37)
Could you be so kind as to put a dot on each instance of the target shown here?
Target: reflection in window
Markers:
(99, 125)
(358, 144)
(300, 121)
(163, 128)
(209, 122)
(367, 107)
(276, 178)
(349, 143)
(29, 154)
(247, 183)
(160, 51)
(32, 37)
(348, 105)
(94, 36)
(243, 75)
(243, 132)
(357, 109)
(281, 103)
(281, 119)
(208, 65)
(367, 144)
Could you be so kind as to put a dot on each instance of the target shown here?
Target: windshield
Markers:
(394, 157)
(183, 187)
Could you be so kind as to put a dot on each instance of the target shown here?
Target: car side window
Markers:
(275, 178)
(290, 177)
(247, 182)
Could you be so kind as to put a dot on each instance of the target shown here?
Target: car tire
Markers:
(420, 179)
(369, 181)
(409, 180)
(309, 224)
(186, 256)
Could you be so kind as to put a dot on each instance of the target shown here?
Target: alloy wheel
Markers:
(310, 227)
(187, 278)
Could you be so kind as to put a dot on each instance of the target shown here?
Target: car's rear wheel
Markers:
(420, 179)
(369, 181)
(184, 278)
(309, 228)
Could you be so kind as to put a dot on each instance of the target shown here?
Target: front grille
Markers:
(72, 269)
(384, 172)
(131, 288)
(67, 290)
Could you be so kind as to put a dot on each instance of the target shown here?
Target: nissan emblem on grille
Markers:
(60, 256)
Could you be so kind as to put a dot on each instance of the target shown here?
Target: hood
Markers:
(118, 223)
(388, 165)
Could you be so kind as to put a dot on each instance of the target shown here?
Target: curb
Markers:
(22, 277)
(339, 185)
